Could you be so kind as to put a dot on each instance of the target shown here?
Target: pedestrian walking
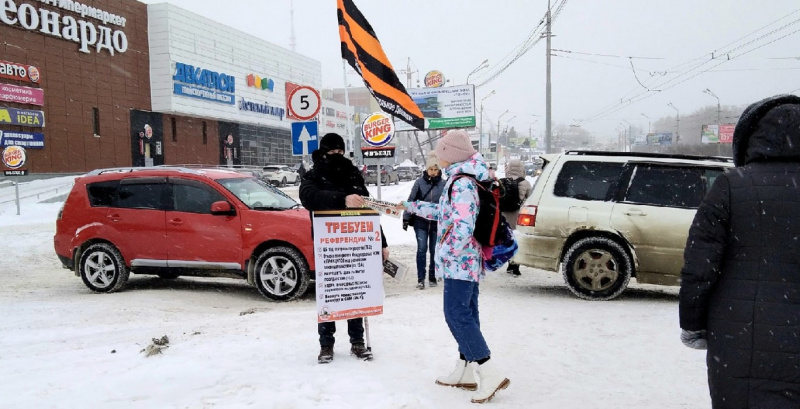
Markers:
(334, 183)
(428, 188)
(740, 284)
(516, 189)
(459, 260)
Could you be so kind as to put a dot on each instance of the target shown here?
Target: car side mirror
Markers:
(222, 208)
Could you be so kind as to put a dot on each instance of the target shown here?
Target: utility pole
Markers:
(408, 86)
(677, 123)
(548, 128)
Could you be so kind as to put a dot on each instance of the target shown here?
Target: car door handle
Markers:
(635, 213)
(113, 217)
(176, 222)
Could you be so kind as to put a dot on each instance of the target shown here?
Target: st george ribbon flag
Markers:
(363, 51)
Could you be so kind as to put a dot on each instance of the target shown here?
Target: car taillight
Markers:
(527, 216)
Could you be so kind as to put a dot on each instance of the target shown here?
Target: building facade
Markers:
(116, 83)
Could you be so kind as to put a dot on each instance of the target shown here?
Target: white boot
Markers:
(461, 377)
(489, 381)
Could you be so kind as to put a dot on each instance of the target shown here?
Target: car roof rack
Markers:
(141, 169)
(724, 159)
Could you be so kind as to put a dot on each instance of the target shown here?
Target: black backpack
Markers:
(490, 222)
(509, 194)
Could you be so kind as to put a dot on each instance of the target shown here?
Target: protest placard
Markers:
(349, 264)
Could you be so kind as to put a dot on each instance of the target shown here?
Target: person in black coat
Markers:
(334, 183)
(740, 285)
(427, 188)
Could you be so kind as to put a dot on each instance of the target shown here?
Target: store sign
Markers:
(19, 72)
(377, 130)
(21, 95)
(260, 83)
(434, 79)
(14, 157)
(78, 30)
(24, 139)
(22, 117)
(260, 108)
(204, 84)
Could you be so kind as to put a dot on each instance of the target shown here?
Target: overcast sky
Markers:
(455, 36)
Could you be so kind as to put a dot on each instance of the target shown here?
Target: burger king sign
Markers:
(434, 79)
(14, 157)
(377, 130)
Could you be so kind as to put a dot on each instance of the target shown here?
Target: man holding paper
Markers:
(334, 183)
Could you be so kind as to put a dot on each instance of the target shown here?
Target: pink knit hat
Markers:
(455, 147)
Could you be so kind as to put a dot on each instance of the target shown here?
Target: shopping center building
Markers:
(116, 83)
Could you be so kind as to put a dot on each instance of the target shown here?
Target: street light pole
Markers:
(677, 123)
(629, 142)
(548, 127)
(483, 65)
(480, 127)
(708, 91)
(648, 123)
(498, 132)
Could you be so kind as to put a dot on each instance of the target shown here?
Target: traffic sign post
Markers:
(14, 158)
(304, 103)
(305, 138)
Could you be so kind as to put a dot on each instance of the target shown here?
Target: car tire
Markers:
(289, 282)
(168, 276)
(596, 268)
(102, 268)
(283, 182)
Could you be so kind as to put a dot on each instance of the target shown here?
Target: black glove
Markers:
(405, 224)
(694, 339)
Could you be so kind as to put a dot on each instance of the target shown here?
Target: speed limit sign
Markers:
(304, 103)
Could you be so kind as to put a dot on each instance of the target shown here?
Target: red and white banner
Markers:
(21, 95)
(726, 133)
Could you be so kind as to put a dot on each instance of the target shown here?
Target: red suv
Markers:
(177, 221)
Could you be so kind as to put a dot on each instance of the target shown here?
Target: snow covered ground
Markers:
(63, 346)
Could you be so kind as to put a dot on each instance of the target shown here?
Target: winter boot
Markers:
(489, 381)
(432, 283)
(461, 377)
(420, 285)
(513, 269)
(325, 355)
(360, 351)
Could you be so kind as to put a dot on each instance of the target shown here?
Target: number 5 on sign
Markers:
(304, 103)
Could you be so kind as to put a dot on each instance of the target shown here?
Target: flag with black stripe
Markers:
(363, 51)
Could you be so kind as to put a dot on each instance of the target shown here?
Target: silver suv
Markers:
(601, 218)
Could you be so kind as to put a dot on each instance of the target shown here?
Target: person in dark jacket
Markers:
(334, 183)
(427, 188)
(740, 284)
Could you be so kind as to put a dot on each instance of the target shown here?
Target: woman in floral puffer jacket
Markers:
(459, 260)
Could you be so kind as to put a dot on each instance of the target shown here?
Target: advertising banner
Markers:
(19, 72)
(349, 266)
(709, 134)
(24, 139)
(21, 95)
(726, 133)
(444, 107)
(22, 117)
(661, 138)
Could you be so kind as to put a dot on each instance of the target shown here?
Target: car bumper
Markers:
(538, 252)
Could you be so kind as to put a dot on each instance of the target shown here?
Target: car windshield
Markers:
(258, 195)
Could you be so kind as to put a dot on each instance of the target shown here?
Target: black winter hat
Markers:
(330, 142)
(748, 123)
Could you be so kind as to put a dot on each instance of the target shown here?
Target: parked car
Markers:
(173, 222)
(408, 172)
(388, 175)
(280, 175)
(601, 218)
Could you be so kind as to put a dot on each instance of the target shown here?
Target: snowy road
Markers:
(66, 347)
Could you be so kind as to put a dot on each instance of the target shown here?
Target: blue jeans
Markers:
(355, 329)
(426, 243)
(461, 315)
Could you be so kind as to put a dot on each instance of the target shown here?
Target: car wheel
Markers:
(168, 276)
(283, 182)
(297, 181)
(281, 274)
(102, 268)
(596, 268)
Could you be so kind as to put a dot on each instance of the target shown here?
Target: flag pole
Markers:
(347, 108)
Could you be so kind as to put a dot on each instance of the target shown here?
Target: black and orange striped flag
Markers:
(363, 51)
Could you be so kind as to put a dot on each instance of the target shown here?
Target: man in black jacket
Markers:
(740, 288)
(334, 183)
